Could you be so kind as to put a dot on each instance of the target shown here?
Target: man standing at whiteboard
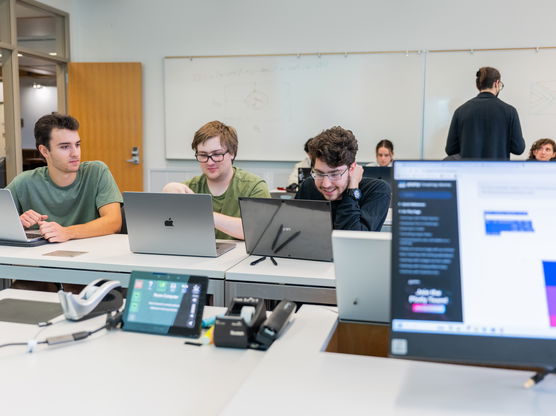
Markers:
(358, 203)
(215, 145)
(485, 127)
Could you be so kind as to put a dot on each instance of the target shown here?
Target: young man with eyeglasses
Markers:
(357, 203)
(215, 146)
(485, 127)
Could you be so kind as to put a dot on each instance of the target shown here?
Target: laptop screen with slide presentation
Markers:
(362, 264)
(292, 228)
(474, 262)
(12, 232)
(179, 224)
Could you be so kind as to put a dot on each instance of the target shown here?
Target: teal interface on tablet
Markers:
(166, 304)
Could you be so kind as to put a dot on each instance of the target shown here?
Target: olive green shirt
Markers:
(243, 184)
(77, 203)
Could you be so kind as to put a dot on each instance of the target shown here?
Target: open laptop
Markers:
(362, 261)
(12, 232)
(179, 224)
(291, 228)
(378, 172)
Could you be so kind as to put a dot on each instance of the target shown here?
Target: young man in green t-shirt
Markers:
(215, 146)
(67, 199)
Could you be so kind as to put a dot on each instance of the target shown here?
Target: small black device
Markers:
(165, 304)
(354, 194)
(245, 324)
(238, 327)
(271, 328)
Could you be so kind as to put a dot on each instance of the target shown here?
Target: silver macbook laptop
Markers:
(179, 224)
(11, 231)
(362, 263)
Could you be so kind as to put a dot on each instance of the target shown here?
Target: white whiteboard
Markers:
(529, 79)
(277, 103)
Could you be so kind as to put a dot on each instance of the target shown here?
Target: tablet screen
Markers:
(166, 304)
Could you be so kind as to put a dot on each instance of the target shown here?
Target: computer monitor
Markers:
(474, 262)
(378, 172)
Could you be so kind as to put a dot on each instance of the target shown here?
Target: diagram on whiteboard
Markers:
(258, 101)
(542, 98)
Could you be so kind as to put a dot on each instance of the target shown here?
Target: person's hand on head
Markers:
(54, 232)
(30, 218)
(355, 176)
(177, 188)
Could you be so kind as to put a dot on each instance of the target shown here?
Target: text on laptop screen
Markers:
(474, 254)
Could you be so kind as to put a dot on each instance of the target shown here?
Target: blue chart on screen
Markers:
(497, 222)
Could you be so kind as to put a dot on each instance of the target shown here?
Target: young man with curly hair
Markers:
(357, 203)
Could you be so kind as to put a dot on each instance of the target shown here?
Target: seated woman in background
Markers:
(543, 150)
(384, 153)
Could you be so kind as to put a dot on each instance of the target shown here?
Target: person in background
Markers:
(485, 127)
(384, 153)
(305, 163)
(543, 150)
(215, 146)
(357, 203)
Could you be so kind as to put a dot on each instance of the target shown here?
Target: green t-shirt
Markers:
(244, 184)
(77, 203)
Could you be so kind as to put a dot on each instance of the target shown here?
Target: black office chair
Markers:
(124, 223)
(2, 172)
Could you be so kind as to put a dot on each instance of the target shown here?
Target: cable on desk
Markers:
(112, 321)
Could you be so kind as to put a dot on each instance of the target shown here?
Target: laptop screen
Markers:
(298, 229)
(474, 261)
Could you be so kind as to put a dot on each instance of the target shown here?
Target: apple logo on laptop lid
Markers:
(169, 222)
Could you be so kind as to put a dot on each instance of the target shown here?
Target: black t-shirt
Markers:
(367, 214)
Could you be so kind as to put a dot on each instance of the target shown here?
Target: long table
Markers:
(297, 280)
(109, 257)
(229, 275)
(119, 372)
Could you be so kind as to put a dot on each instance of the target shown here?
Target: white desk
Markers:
(297, 377)
(109, 257)
(115, 373)
(120, 373)
(296, 280)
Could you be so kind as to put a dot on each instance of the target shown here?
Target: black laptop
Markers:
(294, 228)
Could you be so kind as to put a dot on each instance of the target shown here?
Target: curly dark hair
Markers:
(335, 147)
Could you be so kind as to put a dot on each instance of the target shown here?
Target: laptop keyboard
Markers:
(33, 234)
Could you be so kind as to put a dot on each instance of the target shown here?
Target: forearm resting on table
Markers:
(229, 225)
(110, 222)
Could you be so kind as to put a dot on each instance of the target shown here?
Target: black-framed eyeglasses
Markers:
(215, 157)
(501, 85)
(333, 177)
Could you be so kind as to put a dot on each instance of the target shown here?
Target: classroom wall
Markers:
(146, 31)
